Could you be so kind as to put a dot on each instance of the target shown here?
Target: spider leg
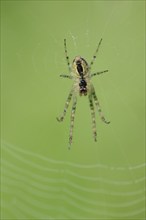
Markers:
(66, 76)
(66, 107)
(94, 56)
(66, 56)
(72, 119)
(98, 107)
(93, 117)
(98, 73)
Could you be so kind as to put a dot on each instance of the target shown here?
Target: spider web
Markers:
(47, 189)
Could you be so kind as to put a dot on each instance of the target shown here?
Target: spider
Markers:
(80, 73)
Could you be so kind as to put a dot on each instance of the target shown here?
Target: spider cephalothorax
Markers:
(83, 87)
(80, 73)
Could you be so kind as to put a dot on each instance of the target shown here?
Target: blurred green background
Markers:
(41, 178)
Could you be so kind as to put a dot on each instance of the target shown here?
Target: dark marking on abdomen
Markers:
(79, 68)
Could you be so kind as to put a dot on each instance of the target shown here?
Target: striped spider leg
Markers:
(79, 72)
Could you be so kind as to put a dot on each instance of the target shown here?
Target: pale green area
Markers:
(41, 178)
